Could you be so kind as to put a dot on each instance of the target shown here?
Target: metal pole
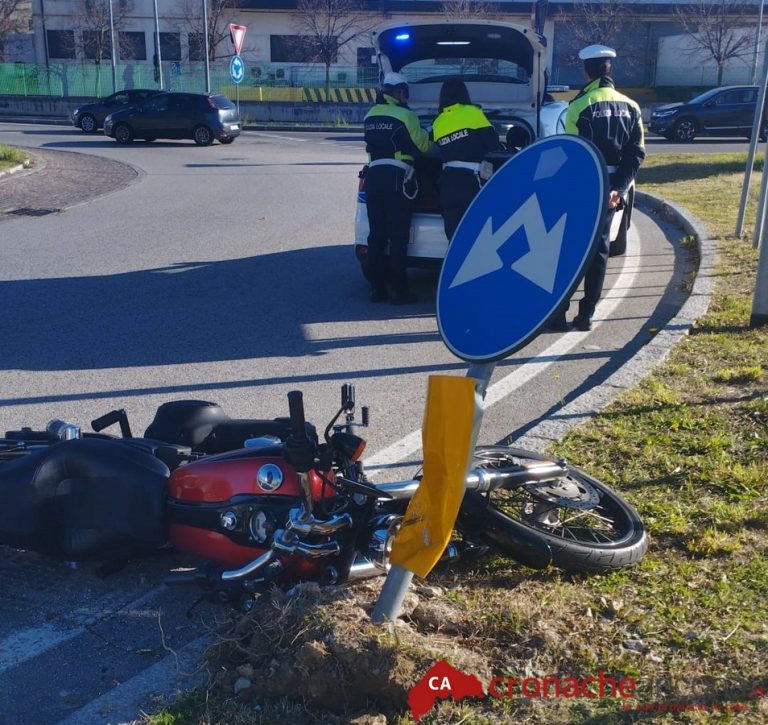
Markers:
(757, 42)
(398, 579)
(205, 40)
(753, 139)
(759, 315)
(157, 44)
(112, 47)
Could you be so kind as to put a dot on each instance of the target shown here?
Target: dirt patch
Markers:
(318, 646)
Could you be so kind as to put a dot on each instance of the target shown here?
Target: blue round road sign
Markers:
(237, 69)
(522, 248)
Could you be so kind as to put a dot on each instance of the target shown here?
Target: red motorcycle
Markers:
(263, 501)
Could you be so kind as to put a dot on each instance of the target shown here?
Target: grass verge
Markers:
(10, 156)
(689, 448)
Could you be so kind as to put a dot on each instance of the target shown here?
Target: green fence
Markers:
(262, 81)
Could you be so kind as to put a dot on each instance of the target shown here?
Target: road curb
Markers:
(580, 410)
(11, 170)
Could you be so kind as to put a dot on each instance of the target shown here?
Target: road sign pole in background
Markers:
(237, 66)
(518, 255)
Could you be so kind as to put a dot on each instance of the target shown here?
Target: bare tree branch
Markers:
(324, 27)
(219, 15)
(470, 9)
(713, 30)
(597, 22)
(14, 17)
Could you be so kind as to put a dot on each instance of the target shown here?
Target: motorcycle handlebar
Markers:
(296, 412)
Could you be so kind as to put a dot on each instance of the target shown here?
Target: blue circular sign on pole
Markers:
(237, 69)
(522, 248)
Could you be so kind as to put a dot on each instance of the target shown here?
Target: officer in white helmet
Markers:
(613, 122)
(393, 138)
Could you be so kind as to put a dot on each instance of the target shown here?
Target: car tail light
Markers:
(212, 104)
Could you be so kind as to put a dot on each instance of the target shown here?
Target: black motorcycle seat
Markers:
(84, 498)
(206, 428)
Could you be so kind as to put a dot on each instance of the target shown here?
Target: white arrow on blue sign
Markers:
(237, 69)
(522, 248)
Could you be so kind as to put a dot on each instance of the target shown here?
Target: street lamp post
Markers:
(157, 46)
(205, 40)
(112, 47)
(757, 42)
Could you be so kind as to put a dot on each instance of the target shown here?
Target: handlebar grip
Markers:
(106, 420)
(296, 412)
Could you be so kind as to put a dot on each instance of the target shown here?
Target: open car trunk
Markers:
(503, 65)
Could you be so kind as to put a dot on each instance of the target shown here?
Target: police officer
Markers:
(464, 136)
(613, 123)
(393, 137)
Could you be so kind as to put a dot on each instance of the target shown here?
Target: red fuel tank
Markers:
(249, 483)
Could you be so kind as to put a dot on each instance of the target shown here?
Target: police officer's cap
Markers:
(394, 79)
(596, 52)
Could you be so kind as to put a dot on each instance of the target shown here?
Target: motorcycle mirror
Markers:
(348, 396)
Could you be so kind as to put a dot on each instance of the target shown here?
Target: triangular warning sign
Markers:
(238, 34)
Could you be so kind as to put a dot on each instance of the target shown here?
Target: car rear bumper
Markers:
(427, 246)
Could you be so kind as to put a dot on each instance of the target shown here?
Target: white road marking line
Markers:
(411, 443)
(30, 642)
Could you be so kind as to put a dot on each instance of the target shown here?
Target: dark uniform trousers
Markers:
(458, 189)
(389, 218)
(595, 276)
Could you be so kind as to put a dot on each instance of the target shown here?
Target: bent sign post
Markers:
(518, 255)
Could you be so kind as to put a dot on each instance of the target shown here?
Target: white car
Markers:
(503, 66)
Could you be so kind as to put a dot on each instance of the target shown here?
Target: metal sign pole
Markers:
(753, 140)
(759, 315)
(392, 595)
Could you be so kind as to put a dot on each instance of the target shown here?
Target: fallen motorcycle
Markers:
(264, 501)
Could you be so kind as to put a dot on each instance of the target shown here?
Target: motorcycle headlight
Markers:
(350, 445)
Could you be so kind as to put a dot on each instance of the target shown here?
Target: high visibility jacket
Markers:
(393, 131)
(614, 124)
(463, 133)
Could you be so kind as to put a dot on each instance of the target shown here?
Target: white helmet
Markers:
(394, 79)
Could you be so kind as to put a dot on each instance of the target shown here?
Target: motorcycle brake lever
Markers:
(367, 489)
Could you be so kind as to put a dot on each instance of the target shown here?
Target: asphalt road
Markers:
(226, 273)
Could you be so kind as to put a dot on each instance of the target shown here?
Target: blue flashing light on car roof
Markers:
(403, 36)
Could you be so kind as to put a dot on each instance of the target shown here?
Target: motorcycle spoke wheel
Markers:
(587, 525)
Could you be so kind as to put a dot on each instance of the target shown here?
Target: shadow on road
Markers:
(194, 312)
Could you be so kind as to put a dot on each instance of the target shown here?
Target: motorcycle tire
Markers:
(587, 526)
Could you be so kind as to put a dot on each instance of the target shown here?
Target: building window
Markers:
(133, 46)
(96, 45)
(170, 46)
(294, 49)
(61, 43)
(196, 46)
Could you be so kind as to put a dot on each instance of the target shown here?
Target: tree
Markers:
(324, 27)
(219, 12)
(14, 17)
(715, 32)
(609, 22)
(92, 19)
(469, 9)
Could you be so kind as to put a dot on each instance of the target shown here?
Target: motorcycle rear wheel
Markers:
(587, 526)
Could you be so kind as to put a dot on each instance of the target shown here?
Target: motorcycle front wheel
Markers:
(587, 526)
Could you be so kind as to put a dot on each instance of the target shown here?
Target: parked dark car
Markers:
(200, 117)
(725, 111)
(90, 116)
